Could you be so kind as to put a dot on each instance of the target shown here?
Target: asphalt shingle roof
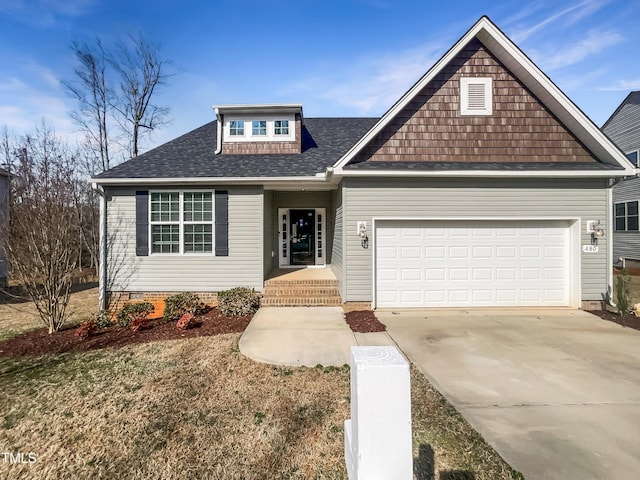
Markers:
(475, 166)
(325, 140)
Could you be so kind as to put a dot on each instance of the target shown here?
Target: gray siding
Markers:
(4, 225)
(623, 128)
(200, 273)
(270, 233)
(336, 257)
(365, 199)
(626, 244)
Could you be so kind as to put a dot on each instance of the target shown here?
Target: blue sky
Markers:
(336, 57)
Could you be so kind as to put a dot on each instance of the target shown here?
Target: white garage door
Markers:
(464, 264)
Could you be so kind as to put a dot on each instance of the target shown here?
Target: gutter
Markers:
(102, 265)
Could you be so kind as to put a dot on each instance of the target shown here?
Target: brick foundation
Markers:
(352, 306)
(592, 305)
(117, 300)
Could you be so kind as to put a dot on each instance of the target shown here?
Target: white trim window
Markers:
(236, 128)
(281, 127)
(181, 222)
(626, 216)
(259, 128)
(476, 96)
(633, 157)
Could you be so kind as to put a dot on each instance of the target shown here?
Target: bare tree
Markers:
(93, 95)
(141, 72)
(42, 241)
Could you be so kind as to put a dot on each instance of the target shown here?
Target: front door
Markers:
(301, 236)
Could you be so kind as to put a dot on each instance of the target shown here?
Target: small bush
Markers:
(623, 292)
(186, 321)
(132, 312)
(86, 329)
(238, 301)
(101, 319)
(177, 305)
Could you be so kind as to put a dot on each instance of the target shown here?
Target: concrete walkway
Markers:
(555, 392)
(303, 336)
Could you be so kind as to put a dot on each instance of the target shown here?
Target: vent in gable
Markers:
(476, 96)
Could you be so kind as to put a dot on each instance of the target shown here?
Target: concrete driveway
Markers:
(556, 392)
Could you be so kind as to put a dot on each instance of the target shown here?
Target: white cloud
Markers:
(44, 73)
(369, 85)
(622, 85)
(44, 12)
(566, 16)
(22, 106)
(592, 43)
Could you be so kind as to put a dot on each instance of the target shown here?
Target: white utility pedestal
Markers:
(377, 438)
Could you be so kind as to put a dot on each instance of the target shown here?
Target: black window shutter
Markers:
(222, 223)
(142, 223)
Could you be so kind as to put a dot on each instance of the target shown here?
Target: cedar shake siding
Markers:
(266, 147)
(431, 128)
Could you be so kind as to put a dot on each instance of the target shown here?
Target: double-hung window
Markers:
(236, 128)
(181, 222)
(281, 127)
(626, 216)
(259, 127)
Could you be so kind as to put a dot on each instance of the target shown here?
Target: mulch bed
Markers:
(364, 321)
(39, 342)
(626, 320)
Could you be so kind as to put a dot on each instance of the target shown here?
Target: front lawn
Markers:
(197, 408)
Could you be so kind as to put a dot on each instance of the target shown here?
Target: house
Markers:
(4, 225)
(483, 185)
(623, 128)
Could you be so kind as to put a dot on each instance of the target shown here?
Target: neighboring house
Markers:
(4, 224)
(623, 128)
(479, 187)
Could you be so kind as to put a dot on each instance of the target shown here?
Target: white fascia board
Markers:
(210, 181)
(262, 107)
(483, 173)
(526, 71)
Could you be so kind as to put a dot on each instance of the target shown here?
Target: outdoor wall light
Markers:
(598, 232)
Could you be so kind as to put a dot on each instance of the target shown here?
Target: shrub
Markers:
(177, 305)
(86, 329)
(138, 323)
(238, 301)
(623, 292)
(101, 319)
(186, 321)
(132, 312)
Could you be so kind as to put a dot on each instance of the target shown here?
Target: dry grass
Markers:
(17, 317)
(176, 409)
(198, 408)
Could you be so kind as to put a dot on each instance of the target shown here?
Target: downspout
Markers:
(609, 227)
(218, 132)
(102, 265)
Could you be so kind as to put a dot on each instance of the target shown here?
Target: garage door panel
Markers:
(491, 264)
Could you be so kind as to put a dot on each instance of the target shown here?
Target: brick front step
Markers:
(301, 301)
(303, 291)
(282, 293)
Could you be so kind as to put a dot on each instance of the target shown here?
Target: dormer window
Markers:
(236, 128)
(259, 128)
(476, 96)
(633, 157)
(281, 127)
